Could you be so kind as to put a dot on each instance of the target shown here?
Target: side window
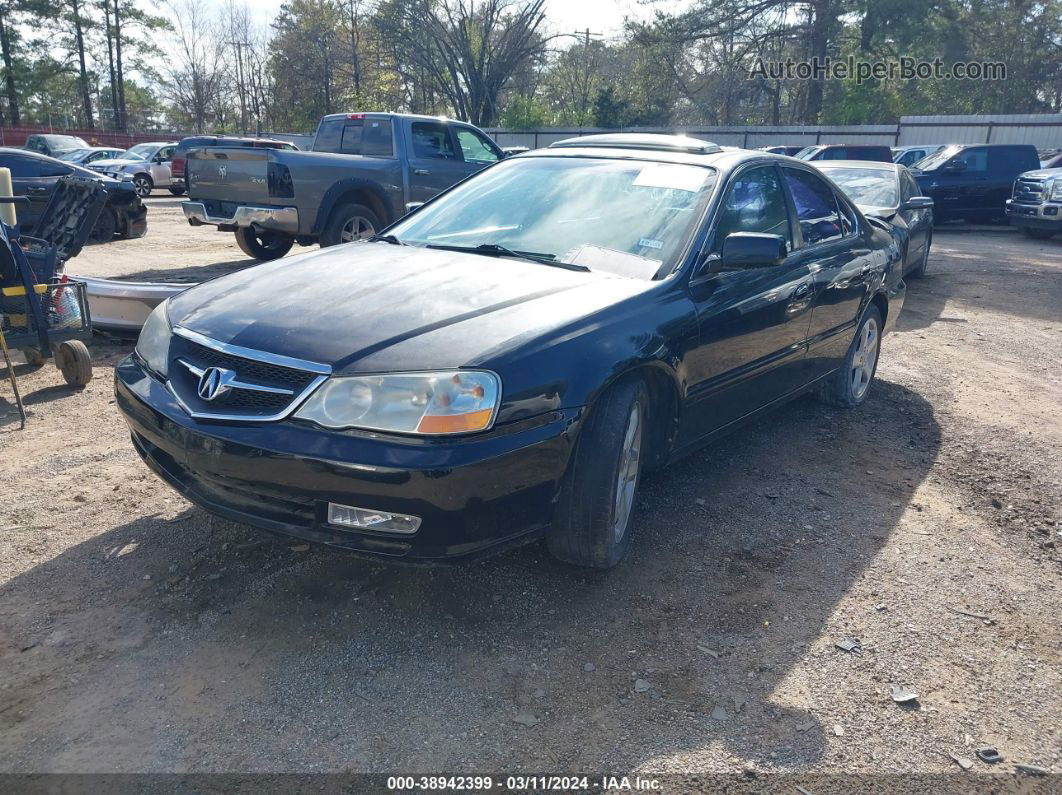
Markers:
(976, 159)
(905, 187)
(1007, 160)
(848, 219)
(376, 138)
(816, 207)
(21, 167)
(432, 140)
(166, 154)
(755, 202)
(840, 153)
(474, 147)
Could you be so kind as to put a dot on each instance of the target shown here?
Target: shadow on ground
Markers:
(243, 652)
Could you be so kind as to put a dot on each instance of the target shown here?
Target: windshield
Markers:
(73, 154)
(935, 160)
(627, 217)
(138, 152)
(867, 187)
(807, 152)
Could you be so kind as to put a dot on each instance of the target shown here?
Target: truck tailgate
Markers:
(231, 175)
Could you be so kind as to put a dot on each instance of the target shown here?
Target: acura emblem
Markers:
(214, 382)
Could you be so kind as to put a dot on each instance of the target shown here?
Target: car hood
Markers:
(878, 212)
(376, 307)
(1042, 173)
(116, 163)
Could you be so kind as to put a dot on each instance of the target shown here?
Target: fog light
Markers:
(366, 519)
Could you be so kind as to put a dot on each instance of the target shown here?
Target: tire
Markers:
(1037, 234)
(74, 362)
(177, 191)
(592, 523)
(919, 270)
(106, 227)
(840, 389)
(143, 185)
(349, 222)
(33, 357)
(262, 246)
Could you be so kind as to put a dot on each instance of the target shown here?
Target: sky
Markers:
(562, 16)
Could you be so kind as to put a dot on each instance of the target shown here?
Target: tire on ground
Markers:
(262, 246)
(583, 529)
(74, 362)
(333, 230)
(143, 185)
(837, 389)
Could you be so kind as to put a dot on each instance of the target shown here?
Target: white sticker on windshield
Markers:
(672, 176)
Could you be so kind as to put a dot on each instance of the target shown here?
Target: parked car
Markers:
(973, 181)
(909, 155)
(888, 191)
(1052, 161)
(845, 152)
(54, 145)
(35, 176)
(509, 151)
(506, 361)
(83, 157)
(147, 164)
(177, 186)
(1036, 203)
(790, 151)
(365, 171)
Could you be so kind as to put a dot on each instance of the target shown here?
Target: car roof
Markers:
(390, 114)
(879, 164)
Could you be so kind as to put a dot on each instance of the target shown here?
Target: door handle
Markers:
(421, 172)
(36, 190)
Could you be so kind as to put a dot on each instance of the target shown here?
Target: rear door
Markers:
(434, 160)
(34, 178)
(753, 323)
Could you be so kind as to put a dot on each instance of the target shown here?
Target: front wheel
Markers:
(592, 522)
(849, 386)
(262, 245)
(349, 222)
(1037, 234)
(143, 185)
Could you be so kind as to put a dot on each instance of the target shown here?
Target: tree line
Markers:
(210, 66)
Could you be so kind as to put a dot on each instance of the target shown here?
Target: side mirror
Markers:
(918, 203)
(745, 250)
(955, 167)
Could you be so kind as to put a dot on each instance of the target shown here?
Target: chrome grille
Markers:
(216, 380)
(1028, 191)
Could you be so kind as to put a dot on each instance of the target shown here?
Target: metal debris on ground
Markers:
(1031, 770)
(989, 754)
(850, 645)
(987, 619)
(902, 695)
(708, 651)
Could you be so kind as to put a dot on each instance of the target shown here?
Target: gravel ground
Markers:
(137, 633)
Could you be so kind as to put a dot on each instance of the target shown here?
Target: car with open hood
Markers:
(505, 362)
(888, 191)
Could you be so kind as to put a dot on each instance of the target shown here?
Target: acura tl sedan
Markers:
(509, 360)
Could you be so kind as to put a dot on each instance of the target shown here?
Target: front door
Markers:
(752, 323)
(435, 163)
(160, 166)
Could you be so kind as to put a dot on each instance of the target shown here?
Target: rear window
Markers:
(369, 137)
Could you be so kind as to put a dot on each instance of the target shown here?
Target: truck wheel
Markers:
(177, 191)
(74, 362)
(1037, 234)
(262, 245)
(592, 522)
(349, 222)
(143, 185)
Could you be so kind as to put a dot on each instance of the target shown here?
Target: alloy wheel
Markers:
(356, 228)
(629, 468)
(864, 358)
(142, 187)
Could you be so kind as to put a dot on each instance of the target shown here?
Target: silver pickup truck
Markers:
(365, 170)
(1036, 203)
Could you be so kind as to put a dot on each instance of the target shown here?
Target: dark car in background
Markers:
(35, 177)
(889, 192)
(54, 145)
(177, 186)
(972, 182)
(505, 362)
(82, 157)
(845, 152)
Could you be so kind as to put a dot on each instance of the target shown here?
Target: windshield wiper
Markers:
(394, 241)
(497, 250)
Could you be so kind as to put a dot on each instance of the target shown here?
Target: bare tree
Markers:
(197, 74)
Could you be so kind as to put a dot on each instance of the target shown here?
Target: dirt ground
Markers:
(138, 633)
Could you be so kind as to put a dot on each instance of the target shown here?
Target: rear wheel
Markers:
(262, 245)
(1037, 234)
(143, 185)
(177, 191)
(592, 522)
(74, 362)
(849, 386)
(349, 222)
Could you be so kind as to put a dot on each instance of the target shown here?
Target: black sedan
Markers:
(508, 360)
(888, 191)
(35, 176)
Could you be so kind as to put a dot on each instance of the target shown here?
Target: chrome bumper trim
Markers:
(278, 219)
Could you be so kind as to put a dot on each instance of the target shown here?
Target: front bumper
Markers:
(473, 495)
(274, 219)
(177, 182)
(1038, 216)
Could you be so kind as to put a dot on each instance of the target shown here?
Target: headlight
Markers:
(1056, 189)
(153, 345)
(451, 401)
